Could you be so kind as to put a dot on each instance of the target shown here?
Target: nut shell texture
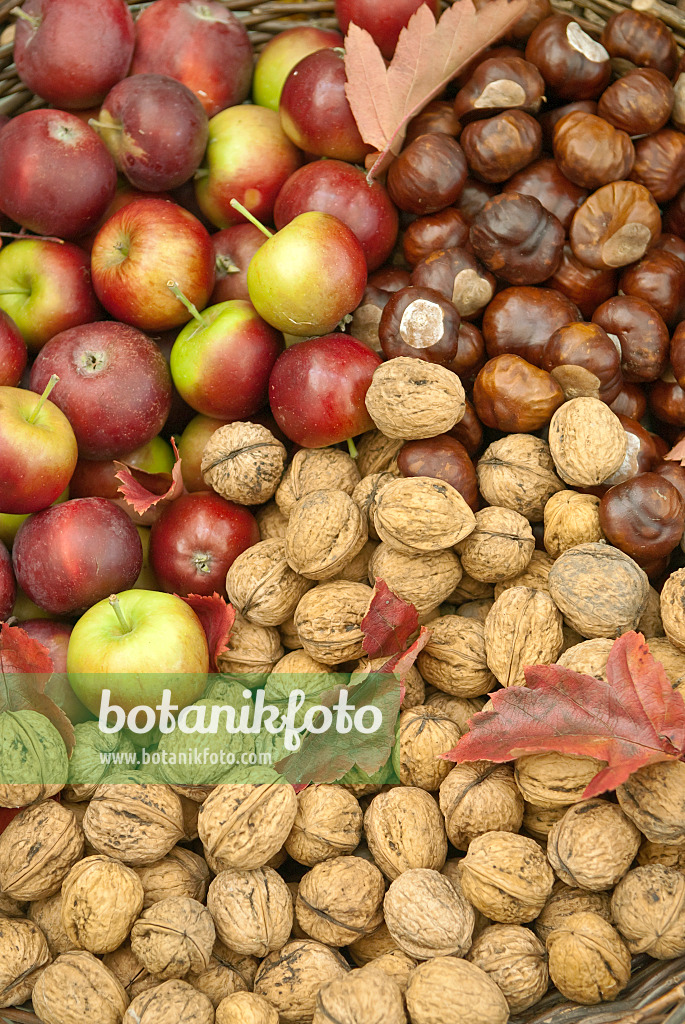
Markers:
(427, 916)
(517, 472)
(243, 462)
(261, 585)
(23, 952)
(291, 978)
(506, 877)
(325, 531)
(252, 910)
(516, 961)
(316, 469)
(648, 908)
(340, 899)
(37, 849)
(421, 514)
(480, 797)
(173, 937)
(405, 829)
(76, 988)
(523, 627)
(588, 960)
(448, 990)
(328, 621)
(593, 845)
(654, 800)
(101, 898)
(587, 442)
(499, 548)
(136, 823)
(411, 399)
(243, 826)
(173, 1002)
(371, 997)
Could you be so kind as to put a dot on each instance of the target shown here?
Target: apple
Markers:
(13, 352)
(180, 413)
(124, 195)
(200, 43)
(56, 176)
(339, 188)
(8, 584)
(114, 386)
(234, 248)
(66, 557)
(248, 158)
(38, 450)
(145, 641)
(54, 636)
(281, 54)
(195, 541)
(221, 361)
(315, 112)
(142, 249)
(45, 286)
(156, 130)
(9, 523)
(383, 19)
(191, 445)
(317, 390)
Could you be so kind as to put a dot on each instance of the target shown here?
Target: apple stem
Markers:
(352, 448)
(33, 22)
(114, 602)
(15, 291)
(48, 388)
(251, 217)
(225, 265)
(193, 310)
(24, 237)
(94, 123)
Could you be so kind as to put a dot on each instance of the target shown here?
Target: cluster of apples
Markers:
(138, 298)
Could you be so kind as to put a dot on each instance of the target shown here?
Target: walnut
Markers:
(101, 898)
(10, 907)
(517, 472)
(173, 1002)
(421, 514)
(180, 873)
(537, 821)
(427, 916)
(377, 453)
(251, 649)
(535, 575)
(423, 735)
(593, 845)
(553, 779)
(564, 901)
(516, 961)
(673, 608)
(479, 797)
(365, 494)
(136, 823)
(371, 997)
(410, 398)
(357, 570)
(454, 660)
(325, 531)
(478, 610)
(587, 442)
(252, 910)
(37, 849)
(424, 580)
(340, 899)
(571, 518)
(291, 977)
(23, 952)
(217, 981)
(469, 589)
(271, 521)
(129, 970)
(369, 948)
(650, 624)
(671, 856)
(523, 628)
(448, 990)
(414, 686)
(405, 829)
(600, 590)
(648, 908)
(243, 462)
(261, 585)
(459, 709)
(499, 548)
(289, 635)
(328, 620)
(245, 1008)
(397, 964)
(328, 824)
(654, 800)
(589, 657)
(77, 987)
(316, 469)
(21, 796)
(173, 937)
(47, 914)
(243, 826)
(506, 876)
(588, 960)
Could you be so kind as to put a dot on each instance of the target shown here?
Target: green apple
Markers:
(281, 54)
(157, 456)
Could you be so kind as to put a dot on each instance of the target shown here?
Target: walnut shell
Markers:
(673, 608)
(427, 916)
(291, 977)
(101, 898)
(654, 800)
(245, 1008)
(405, 829)
(553, 779)
(454, 659)
(534, 575)
(600, 590)
(499, 548)
(448, 990)
(650, 624)
(421, 514)
(365, 493)
(506, 877)
(136, 823)
(77, 987)
(564, 901)
(47, 914)
(252, 910)
(587, 442)
(377, 453)
(423, 735)
(524, 627)
(588, 960)
(243, 826)
(571, 518)
(262, 586)
(371, 997)
(648, 908)
(517, 472)
(516, 961)
(459, 709)
(478, 610)
(328, 621)
(173, 1002)
(593, 845)
(180, 873)
(23, 952)
(129, 970)
(217, 981)
(328, 824)
(411, 399)
(414, 686)
(316, 469)
(271, 521)
(325, 532)
(243, 462)
(537, 821)
(251, 649)
(479, 797)
(424, 580)
(671, 856)
(340, 899)
(589, 657)
(37, 849)
(173, 937)
(369, 948)
(21, 796)
(357, 570)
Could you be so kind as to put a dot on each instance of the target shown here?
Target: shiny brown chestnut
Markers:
(590, 152)
(444, 458)
(639, 103)
(421, 323)
(660, 163)
(659, 279)
(535, 12)
(499, 146)
(390, 278)
(644, 517)
(473, 198)
(585, 361)
(615, 225)
(428, 175)
(544, 180)
(517, 239)
(442, 230)
(520, 321)
(678, 353)
(469, 429)
(643, 39)
(512, 395)
(367, 317)
(641, 333)
(550, 118)
(673, 472)
(497, 84)
(437, 116)
(631, 401)
(585, 286)
(573, 65)
(674, 215)
(666, 401)
(643, 452)
(470, 355)
(671, 243)
(459, 277)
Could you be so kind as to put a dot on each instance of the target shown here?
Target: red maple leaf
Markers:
(144, 491)
(633, 719)
(217, 618)
(388, 624)
(677, 453)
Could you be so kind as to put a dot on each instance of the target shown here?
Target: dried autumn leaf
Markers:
(217, 618)
(143, 491)
(632, 719)
(427, 57)
(388, 624)
(677, 453)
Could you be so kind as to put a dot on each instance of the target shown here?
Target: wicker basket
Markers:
(656, 992)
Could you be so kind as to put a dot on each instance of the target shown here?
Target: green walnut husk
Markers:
(31, 750)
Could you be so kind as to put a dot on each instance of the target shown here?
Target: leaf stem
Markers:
(251, 217)
(41, 401)
(352, 448)
(114, 602)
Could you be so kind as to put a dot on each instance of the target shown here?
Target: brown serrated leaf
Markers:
(139, 489)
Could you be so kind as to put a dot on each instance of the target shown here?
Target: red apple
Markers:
(191, 445)
(317, 390)
(8, 584)
(383, 19)
(68, 557)
(143, 248)
(234, 248)
(124, 195)
(156, 130)
(114, 386)
(56, 176)
(13, 354)
(281, 54)
(200, 43)
(71, 52)
(54, 636)
(196, 540)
